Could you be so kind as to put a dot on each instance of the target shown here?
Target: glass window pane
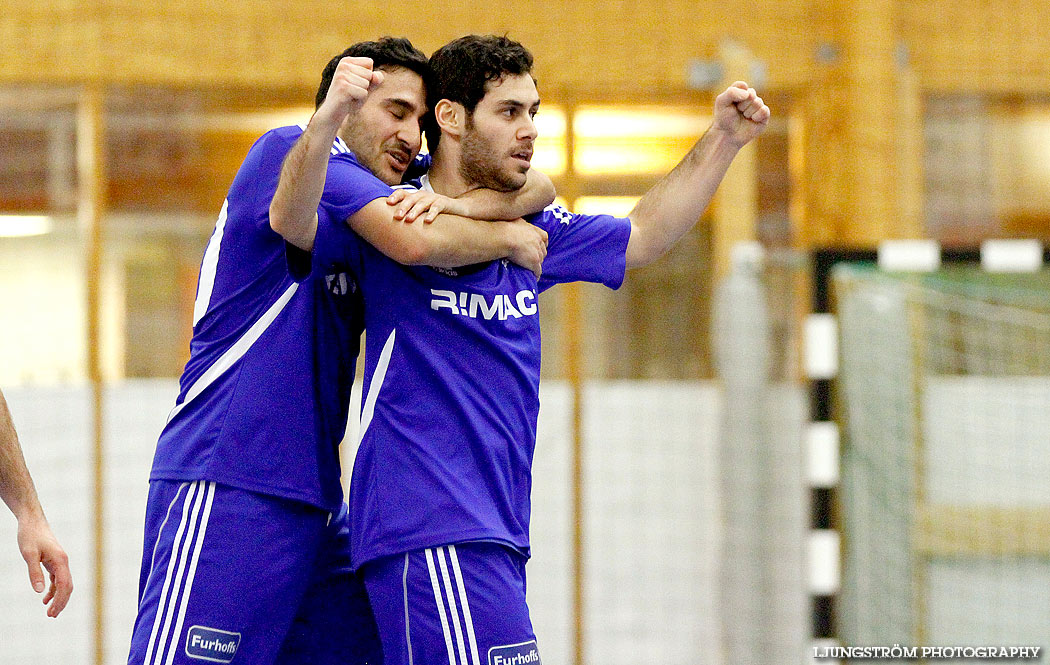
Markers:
(43, 336)
(987, 172)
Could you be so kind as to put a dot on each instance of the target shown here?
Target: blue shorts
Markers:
(229, 573)
(458, 604)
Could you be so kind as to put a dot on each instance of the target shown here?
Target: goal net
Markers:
(944, 400)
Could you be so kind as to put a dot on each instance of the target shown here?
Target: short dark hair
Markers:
(386, 52)
(462, 68)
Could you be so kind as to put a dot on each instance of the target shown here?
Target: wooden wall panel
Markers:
(997, 46)
(57, 42)
(622, 44)
(850, 109)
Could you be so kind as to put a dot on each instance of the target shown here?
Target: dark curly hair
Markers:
(462, 68)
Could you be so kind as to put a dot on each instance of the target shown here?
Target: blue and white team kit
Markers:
(440, 495)
(444, 469)
(246, 551)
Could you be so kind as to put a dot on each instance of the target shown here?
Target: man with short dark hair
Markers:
(247, 546)
(440, 495)
(440, 491)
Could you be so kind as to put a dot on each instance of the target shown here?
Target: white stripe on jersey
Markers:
(208, 267)
(338, 146)
(376, 385)
(441, 607)
(235, 352)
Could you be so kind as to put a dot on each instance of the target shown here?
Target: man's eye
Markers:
(508, 112)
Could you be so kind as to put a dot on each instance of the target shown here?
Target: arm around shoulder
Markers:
(450, 241)
(537, 193)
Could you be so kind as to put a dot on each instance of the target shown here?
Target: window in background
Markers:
(634, 140)
(617, 206)
(549, 155)
(656, 326)
(43, 336)
(987, 173)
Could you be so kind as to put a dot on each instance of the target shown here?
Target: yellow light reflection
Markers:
(549, 155)
(633, 121)
(617, 206)
(634, 140)
(22, 226)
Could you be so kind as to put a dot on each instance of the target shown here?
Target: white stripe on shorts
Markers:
(452, 605)
(161, 642)
(185, 600)
(153, 557)
(180, 573)
(408, 633)
(441, 607)
(171, 567)
(464, 604)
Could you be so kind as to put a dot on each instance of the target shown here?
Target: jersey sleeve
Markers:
(583, 248)
(348, 188)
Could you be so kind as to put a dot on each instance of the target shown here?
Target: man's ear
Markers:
(451, 117)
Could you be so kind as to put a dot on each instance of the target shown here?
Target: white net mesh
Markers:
(944, 395)
(763, 601)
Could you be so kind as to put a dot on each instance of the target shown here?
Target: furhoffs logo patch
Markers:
(526, 653)
(211, 644)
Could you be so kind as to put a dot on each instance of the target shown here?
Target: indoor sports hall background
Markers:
(822, 438)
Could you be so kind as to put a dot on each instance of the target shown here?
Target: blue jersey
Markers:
(263, 400)
(452, 370)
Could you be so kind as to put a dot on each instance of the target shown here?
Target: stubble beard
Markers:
(370, 155)
(480, 164)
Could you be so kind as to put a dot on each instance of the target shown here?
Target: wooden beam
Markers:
(91, 208)
(982, 531)
(736, 204)
(573, 332)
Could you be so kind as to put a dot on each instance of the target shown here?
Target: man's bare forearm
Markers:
(462, 241)
(676, 202)
(293, 210)
(450, 241)
(671, 208)
(16, 485)
(453, 241)
(537, 194)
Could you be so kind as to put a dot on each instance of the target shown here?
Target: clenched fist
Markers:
(353, 78)
(740, 113)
